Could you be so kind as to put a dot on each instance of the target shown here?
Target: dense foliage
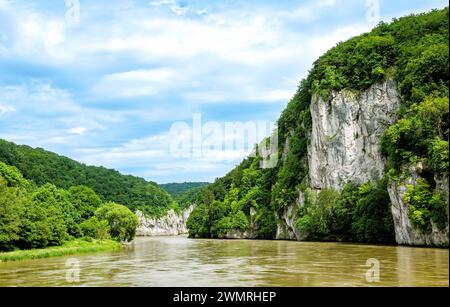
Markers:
(33, 216)
(43, 167)
(357, 213)
(176, 189)
(412, 50)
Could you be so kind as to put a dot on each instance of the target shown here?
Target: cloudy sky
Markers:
(104, 84)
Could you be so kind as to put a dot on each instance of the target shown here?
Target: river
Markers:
(179, 261)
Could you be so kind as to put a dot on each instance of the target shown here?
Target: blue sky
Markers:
(106, 89)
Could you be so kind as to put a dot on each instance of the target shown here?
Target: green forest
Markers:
(185, 194)
(50, 200)
(33, 216)
(412, 50)
(41, 167)
(176, 189)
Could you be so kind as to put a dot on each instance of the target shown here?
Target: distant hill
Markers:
(43, 167)
(176, 189)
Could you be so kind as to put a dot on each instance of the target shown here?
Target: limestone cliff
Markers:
(171, 224)
(346, 133)
(345, 143)
(405, 233)
(345, 147)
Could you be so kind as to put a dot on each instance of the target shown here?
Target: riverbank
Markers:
(69, 248)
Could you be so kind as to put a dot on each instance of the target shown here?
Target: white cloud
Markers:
(161, 2)
(38, 97)
(135, 83)
(309, 11)
(248, 95)
(178, 9)
(153, 155)
(198, 50)
(39, 34)
(5, 109)
(77, 130)
(46, 116)
(4, 4)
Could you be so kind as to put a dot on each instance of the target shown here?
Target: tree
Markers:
(85, 201)
(121, 220)
(12, 176)
(11, 206)
(372, 219)
(96, 229)
(43, 221)
(197, 222)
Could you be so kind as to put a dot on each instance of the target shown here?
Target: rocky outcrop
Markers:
(345, 144)
(171, 224)
(346, 133)
(286, 221)
(405, 233)
(345, 147)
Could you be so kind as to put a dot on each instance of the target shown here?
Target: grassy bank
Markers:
(68, 248)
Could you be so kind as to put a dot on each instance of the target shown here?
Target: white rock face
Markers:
(286, 222)
(346, 133)
(405, 233)
(171, 224)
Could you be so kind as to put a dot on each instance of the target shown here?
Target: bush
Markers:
(266, 223)
(317, 214)
(372, 217)
(121, 220)
(197, 222)
(425, 206)
(235, 221)
(357, 213)
(439, 156)
(96, 229)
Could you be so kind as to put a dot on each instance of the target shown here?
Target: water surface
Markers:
(179, 261)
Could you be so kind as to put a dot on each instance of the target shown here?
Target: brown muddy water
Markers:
(180, 262)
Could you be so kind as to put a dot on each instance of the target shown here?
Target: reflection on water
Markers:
(178, 261)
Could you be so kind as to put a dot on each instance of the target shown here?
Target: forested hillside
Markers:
(413, 51)
(34, 216)
(41, 167)
(175, 189)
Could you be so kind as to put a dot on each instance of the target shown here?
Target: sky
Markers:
(105, 82)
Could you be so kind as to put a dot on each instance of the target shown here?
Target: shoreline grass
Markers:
(69, 248)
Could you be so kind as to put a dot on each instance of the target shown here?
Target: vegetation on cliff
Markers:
(413, 50)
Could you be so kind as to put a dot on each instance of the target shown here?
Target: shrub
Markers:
(96, 229)
(121, 220)
(425, 206)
